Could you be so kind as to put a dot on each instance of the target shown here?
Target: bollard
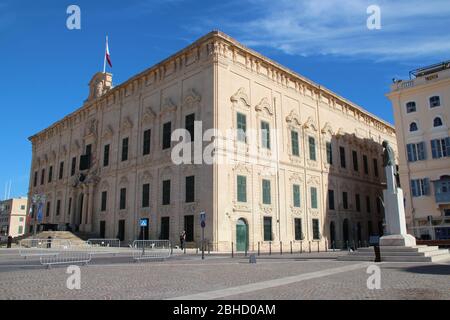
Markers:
(326, 245)
(301, 246)
(318, 246)
(309, 242)
(232, 249)
(209, 251)
(281, 248)
(270, 248)
(245, 251)
(258, 248)
(291, 247)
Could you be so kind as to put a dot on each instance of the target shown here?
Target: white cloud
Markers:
(410, 30)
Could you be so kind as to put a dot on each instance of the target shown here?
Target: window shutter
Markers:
(434, 150)
(422, 151)
(409, 150)
(447, 146)
(426, 186)
(413, 188)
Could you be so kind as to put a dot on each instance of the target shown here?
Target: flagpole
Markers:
(104, 57)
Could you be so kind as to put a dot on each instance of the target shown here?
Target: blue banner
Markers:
(39, 213)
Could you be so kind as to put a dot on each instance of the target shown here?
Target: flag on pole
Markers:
(107, 56)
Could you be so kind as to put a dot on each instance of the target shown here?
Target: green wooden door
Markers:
(241, 235)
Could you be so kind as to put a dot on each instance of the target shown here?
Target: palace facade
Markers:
(315, 179)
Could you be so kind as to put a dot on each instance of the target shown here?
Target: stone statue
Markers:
(389, 155)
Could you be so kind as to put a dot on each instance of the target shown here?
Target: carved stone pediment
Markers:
(149, 115)
(127, 124)
(310, 124)
(191, 99)
(293, 118)
(327, 129)
(264, 105)
(91, 128)
(168, 105)
(108, 132)
(240, 96)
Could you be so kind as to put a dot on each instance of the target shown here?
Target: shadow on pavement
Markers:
(436, 269)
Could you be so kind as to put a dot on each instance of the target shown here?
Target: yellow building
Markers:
(13, 216)
(422, 114)
(304, 165)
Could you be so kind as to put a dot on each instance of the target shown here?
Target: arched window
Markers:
(437, 122)
(413, 127)
(435, 101)
(410, 107)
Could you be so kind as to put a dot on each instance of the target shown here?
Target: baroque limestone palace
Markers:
(108, 164)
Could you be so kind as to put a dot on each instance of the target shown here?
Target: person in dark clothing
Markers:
(49, 242)
(182, 239)
(9, 242)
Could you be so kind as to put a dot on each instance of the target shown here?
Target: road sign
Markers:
(143, 222)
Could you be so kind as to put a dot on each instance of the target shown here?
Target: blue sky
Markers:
(45, 68)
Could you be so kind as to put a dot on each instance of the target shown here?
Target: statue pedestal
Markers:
(396, 233)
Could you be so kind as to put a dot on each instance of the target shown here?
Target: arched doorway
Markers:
(345, 232)
(241, 235)
(332, 233)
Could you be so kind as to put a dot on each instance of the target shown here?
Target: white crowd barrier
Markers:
(79, 254)
(42, 247)
(151, 249)
(104, 246)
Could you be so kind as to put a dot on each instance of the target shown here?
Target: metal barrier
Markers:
(151, 249)
(42, 247)
(79, 254)
(104, 246)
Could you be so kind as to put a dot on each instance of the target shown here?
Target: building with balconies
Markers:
(422, 120)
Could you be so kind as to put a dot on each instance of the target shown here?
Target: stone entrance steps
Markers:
(400, 254)
(63, 235)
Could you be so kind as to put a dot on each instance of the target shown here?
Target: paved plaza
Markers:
(297, 276)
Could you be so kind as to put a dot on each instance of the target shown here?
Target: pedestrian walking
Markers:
(182, 239)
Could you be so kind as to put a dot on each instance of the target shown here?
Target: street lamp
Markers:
(39, 200)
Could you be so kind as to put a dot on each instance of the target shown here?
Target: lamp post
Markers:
(37, 200)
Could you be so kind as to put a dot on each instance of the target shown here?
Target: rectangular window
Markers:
(74, 165)
(331, 199)
(35, 178)
(294, 142)
(265, 135)
(440, 148)
(314, 204)
(167, 132)
(190, 189)
(355, 160)
(241, 127)
(267, 228)
(375, 167)
(88, 149)
(42, 176)
(124, 149)
(420, 187)
(47, 210)
(165, 228)
(368, 204)
(123, 199)
(69, 209)
(329, 153)
(316, 229)
(58, 207)
(61, 170)
(50, 174)
(189, 125)
(342, 155)
(296, 195)
(312, 148)
(415, 151)
(241, 188)
(435, 101)
(146, 142)
(104, 200)
(166, 192)
(358, 202)
(106, 155)
(189, 227)
(146, 195)
(365, 164)
(266, 191)
(298, 229)
(345, 200)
